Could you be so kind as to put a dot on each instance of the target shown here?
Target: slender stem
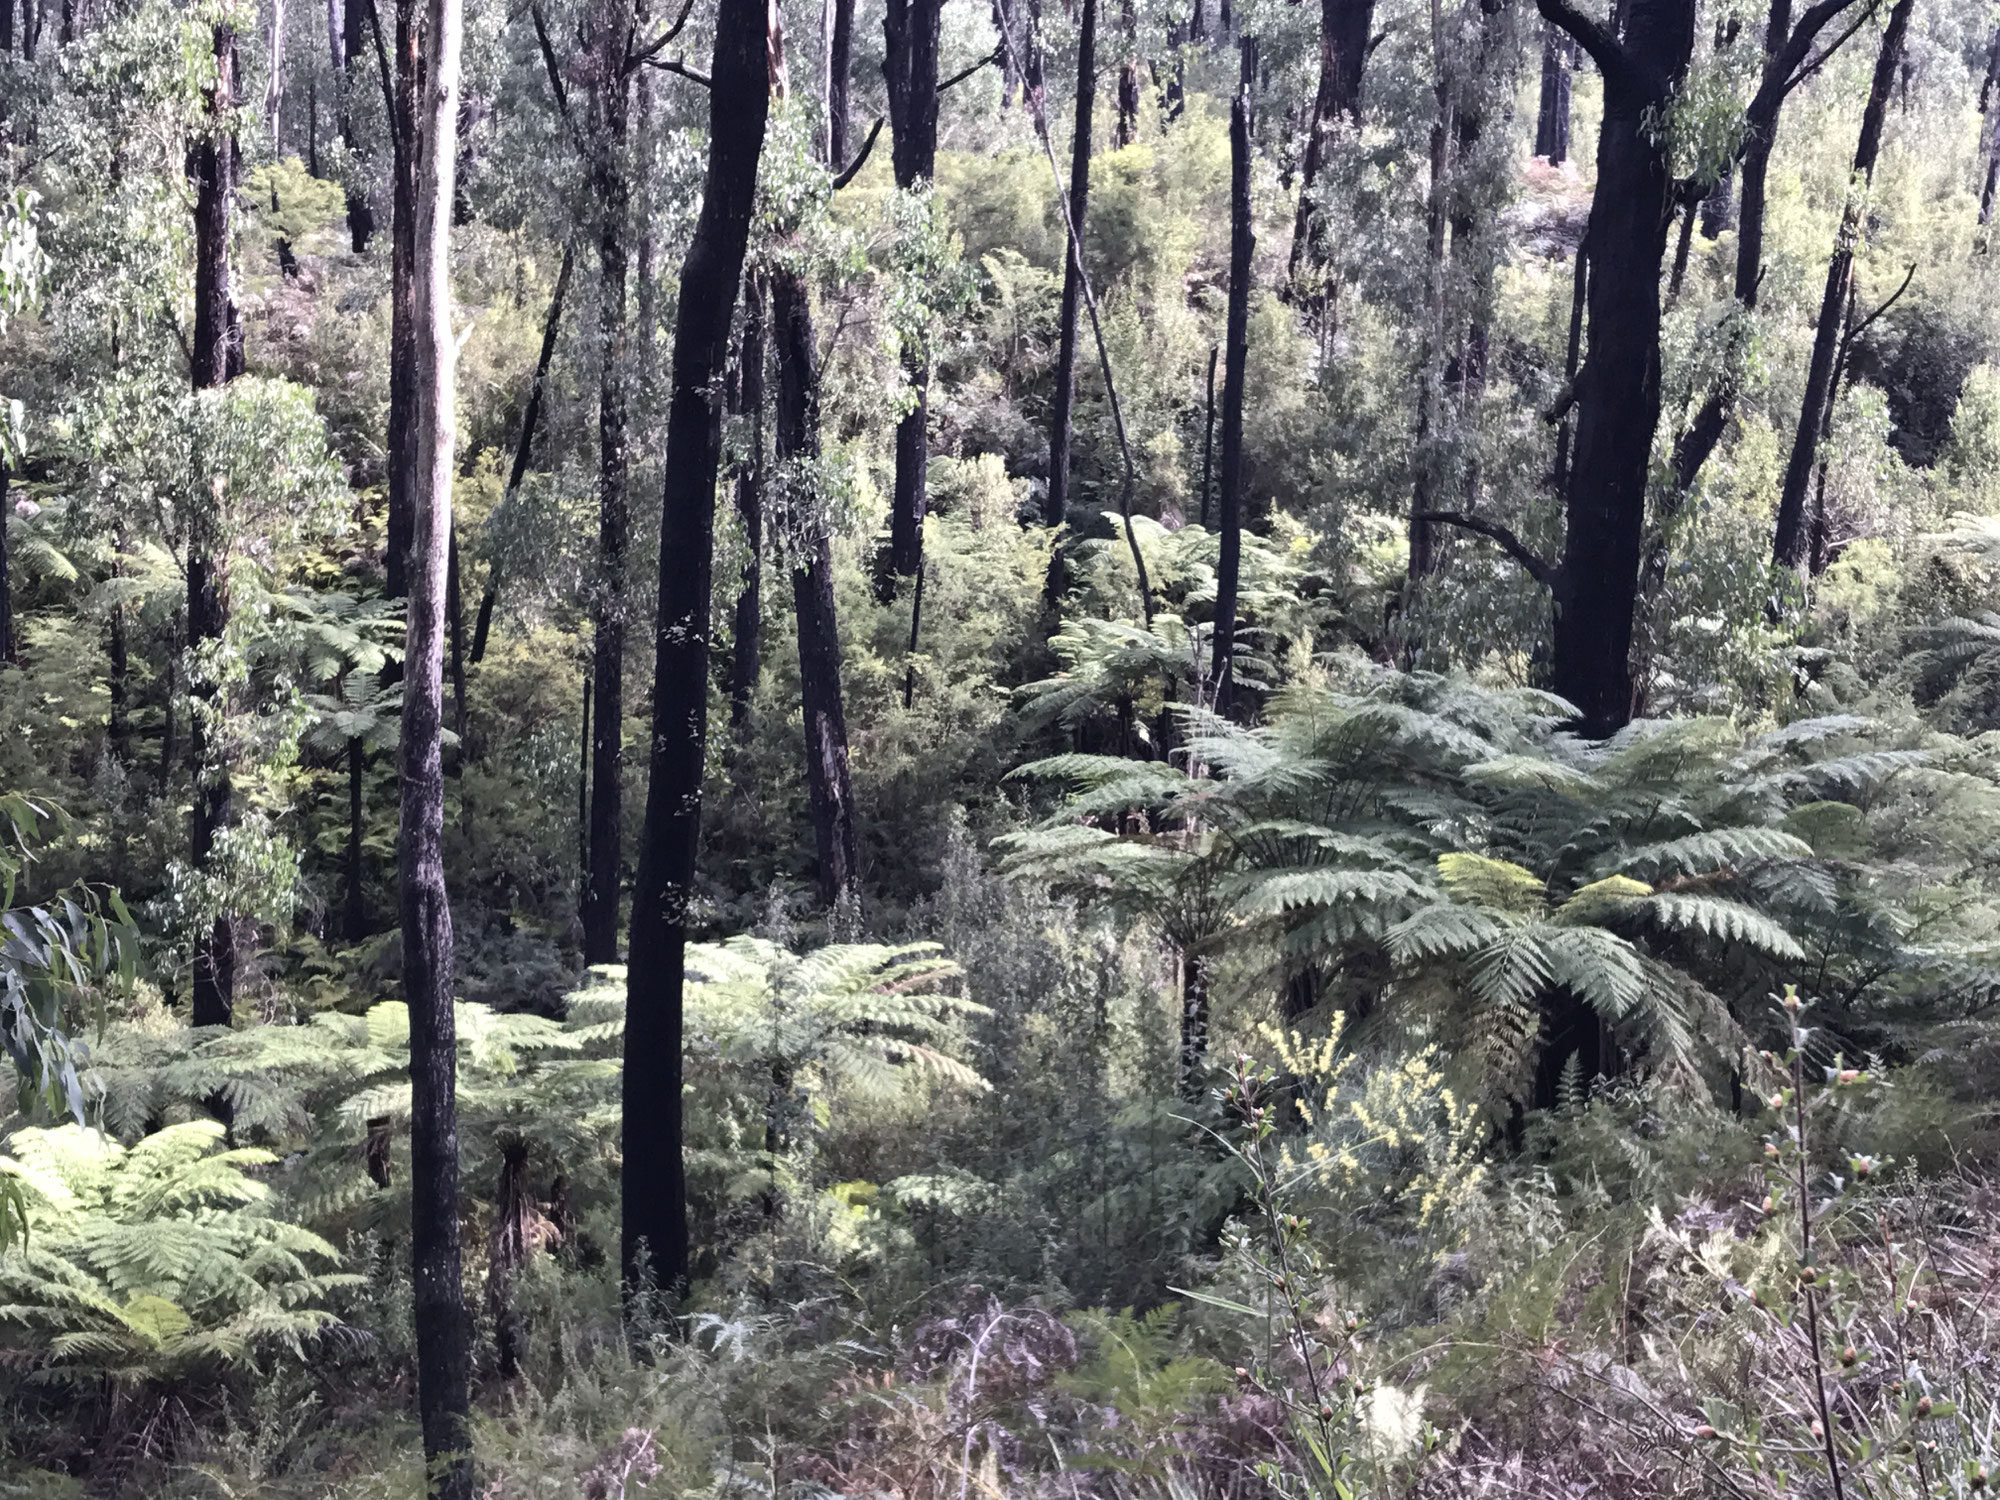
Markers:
(1805, 1258)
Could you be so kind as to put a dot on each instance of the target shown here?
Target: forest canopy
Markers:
(1143, 751)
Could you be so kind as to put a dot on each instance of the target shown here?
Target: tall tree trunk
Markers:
(1056, 505)
(747, 653)
(1578, 300)
(403, 434)
(524, 445)
(839, 21)
(8, 654)
(1343, 50)
(1426, 456)
(1552, 117)
(1990, 131)
(1208, 440)
(1194, 1019)
(911, 29)
(830, 793)
(274, 80)
(1792, 537)
(1236, 349)
(355, 911)
(443, 1350)
(654, 1239)
(360, 217)
(6, 36)
(1618, 388)
(215, 165)
(614, 525)
(120, 656)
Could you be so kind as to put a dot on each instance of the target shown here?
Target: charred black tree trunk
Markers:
(747, 654)
(839, 69)
(403, 435)
(1208, 440)
(653, 1245)
(1128, 80)
(1236, 348)
(524, 446)
(1056, 506)
(614, 523)
(120, 728)
(9, 656)
(1991, 130)
(911, 29)
(354, 43)
(214, 164)
(1618, 388)
(443, 1334)
(1792, 538)
(1343, 50)
(1426, 457)
(1552, 118)
(355, 919)
(830, 793)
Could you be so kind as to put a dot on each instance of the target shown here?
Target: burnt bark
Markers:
(1792, 536)
(747, 652)
(9, 655)
(1552, 116)
(829, 790)
(839, 72)
(442, 1332)
(1425, 456)
(1990, 129)
(215, 164)
(1208, 439)
(1062, 409)
(1236, 348)
(1617, 390)
(610, 103)
(1343, 51)
(524, 446)
(360, 217)
(654, 1243)
(911, 30)
(403, 437)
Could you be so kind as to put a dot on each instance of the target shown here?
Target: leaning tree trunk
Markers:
(614, 524)
(1236, 349)
(1791, 540)
(524, 447)
(215, 164)
(653, 1246)
(1343, 50)
(911, 29)
(1056, 504)
(443, 1349)
(747, 645)
(1618, 389)
(830, 792)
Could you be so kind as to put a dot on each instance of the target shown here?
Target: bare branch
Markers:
(860, 157)
(1894, 297)
(965, 73)
(645, 53)
(555, 77)
(1543, 572)
(1594, 37)
(676, 66)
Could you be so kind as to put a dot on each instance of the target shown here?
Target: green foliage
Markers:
(156, 1262)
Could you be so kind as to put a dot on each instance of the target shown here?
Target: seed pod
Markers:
(1807, 1276)
(1923, 1406)
(1977, 1479)
(1704, 1431)
(1848, 1356)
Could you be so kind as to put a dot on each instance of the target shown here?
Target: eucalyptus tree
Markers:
(911, 30)
(654, 1243)
(1056, 507)
(1344, 45)
(430, 154)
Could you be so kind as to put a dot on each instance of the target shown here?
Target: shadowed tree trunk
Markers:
(360, 217)
(613, 193)
(403, 437)
(749, 614)
(523, 446)
(1236, 348)
(355, 911)
(839, 20)
(215, 164)
(653, 1246)
(1208, 439)
(1056, 505)
(1426, 457)
(443, 1337)
(1343, 51)
(830, 793)
(911, 30)
(120, 728)
(1552, 118)
(1618, 388)
(1792, 537)
(8, 655)
(1990, 130)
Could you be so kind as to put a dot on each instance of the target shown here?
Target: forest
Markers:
(1023, 750)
